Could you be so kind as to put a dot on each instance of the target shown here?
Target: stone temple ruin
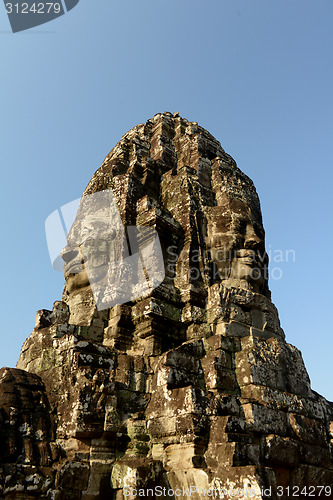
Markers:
(189, 389)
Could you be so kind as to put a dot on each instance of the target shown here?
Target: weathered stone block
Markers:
(184, 456)
(312, 477)
(306, 429)
(261, 419)
(73, 476)
(280, 451)
(233, 329)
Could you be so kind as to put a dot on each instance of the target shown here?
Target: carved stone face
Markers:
(236, 242)
(77, 283)
(93, 241)
(98, 260)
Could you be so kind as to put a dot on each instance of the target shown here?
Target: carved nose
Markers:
(69, 253)
(252, 241)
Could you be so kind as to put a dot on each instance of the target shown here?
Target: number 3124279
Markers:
(35, 8)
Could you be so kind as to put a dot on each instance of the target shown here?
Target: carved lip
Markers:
(73, 268)
(247, 256)
(245, 252)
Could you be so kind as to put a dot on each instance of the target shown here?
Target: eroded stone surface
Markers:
(191, 386)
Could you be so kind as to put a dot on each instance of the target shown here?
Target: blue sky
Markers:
(257, 74)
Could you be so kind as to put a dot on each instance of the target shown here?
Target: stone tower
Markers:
(188, 391)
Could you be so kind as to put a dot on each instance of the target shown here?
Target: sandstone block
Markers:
(261, 419)
(280, 451)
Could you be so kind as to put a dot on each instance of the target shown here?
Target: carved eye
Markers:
(238, 225)
(259, 230)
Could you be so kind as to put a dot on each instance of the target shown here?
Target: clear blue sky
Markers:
(257, 74)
